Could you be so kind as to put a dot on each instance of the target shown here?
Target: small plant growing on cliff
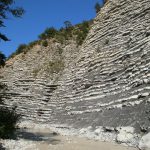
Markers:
(48, 33)
(45, 43)
(21, 48)
(32, 44)
(97, 7)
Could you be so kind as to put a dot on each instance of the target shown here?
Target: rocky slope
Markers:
(104, 83)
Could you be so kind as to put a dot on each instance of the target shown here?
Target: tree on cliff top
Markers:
(6, 8)
(97, 7)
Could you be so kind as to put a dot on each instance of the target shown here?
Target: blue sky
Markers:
(41, 14)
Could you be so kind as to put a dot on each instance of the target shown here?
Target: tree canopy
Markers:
(7, 8)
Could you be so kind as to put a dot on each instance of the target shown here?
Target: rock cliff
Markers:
(104, 83)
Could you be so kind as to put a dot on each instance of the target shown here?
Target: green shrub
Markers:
(21, 48)
(8, 117)
(45, 43)
(97, 7)
(60, 38)
(32, 44)
(48, 33)
(68, 32)
(8, 121)
(68, 24)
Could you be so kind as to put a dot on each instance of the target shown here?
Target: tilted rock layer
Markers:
(106, 82)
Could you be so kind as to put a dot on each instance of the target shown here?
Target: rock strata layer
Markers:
(106, 82)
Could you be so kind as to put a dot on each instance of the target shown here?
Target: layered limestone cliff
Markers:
(104, 83)
(33, 77)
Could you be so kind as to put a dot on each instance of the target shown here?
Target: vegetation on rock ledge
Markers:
(68, 32)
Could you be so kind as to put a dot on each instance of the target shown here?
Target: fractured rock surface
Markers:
(106, 82)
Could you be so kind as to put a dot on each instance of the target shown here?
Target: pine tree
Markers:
(6, 9)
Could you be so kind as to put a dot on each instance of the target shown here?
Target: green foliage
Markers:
(69, 32)
(67, 24)
(48, 33)
(24, 48)
(45, 43)
(32, 44)
(8, 121)
(2, 59)
(80, 38)
(82, 31)
(79, 31)
(8, 117)
(97, 7)
(7, 8)
(21, 48)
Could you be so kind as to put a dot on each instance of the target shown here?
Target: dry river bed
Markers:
(44, 139)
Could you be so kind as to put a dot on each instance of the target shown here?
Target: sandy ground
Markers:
(81, 144)
(46, 140)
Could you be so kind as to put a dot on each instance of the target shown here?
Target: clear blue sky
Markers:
(41, 14)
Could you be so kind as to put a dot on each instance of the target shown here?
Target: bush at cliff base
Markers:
(8, 122)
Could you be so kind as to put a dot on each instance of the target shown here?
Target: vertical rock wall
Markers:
(110, 83)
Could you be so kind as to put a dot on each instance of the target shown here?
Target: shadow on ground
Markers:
(49, 138)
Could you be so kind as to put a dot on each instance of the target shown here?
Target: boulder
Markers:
(144, 143)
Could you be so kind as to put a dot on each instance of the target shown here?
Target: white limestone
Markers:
(144, 143)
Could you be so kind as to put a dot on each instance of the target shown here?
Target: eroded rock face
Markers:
(32, 77)
(105, 83)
